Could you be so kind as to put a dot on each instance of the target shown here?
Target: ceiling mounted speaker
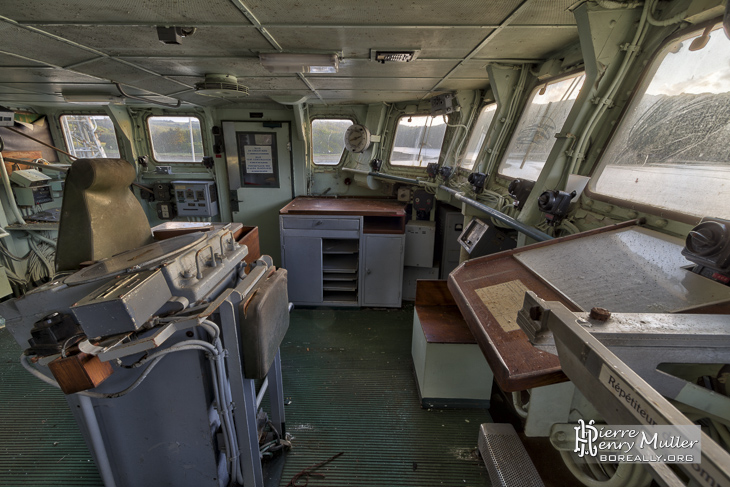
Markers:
(221, 86)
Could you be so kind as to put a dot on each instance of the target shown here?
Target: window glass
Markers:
(418, 140)
(328, 140)
(176, 139)
(671, 148)
(534, 136)
(90, 136)
(478, 134)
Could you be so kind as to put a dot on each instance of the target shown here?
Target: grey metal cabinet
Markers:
(382, 270)
(302, 258)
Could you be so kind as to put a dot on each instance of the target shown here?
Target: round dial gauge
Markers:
(357, 138)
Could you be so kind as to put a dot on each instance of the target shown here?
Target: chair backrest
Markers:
(100, 216)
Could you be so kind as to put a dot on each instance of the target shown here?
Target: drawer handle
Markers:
(319, 222)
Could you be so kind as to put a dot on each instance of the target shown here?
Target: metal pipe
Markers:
(97, 442)
(498, 215)
(262, 391)
(381, 175)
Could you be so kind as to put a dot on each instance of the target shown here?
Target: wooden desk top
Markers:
(305, 205)
(516, 364)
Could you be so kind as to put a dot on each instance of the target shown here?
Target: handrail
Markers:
(498, 215)
(531, 232)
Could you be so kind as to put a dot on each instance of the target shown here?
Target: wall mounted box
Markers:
(195, 198)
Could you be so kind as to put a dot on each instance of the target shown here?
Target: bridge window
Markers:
(328, 140)
(418, 140)
(478, 135)
(175, 139)
(671, 148)
(542, 118)
(90, 136)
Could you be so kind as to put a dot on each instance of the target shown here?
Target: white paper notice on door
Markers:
(258, 159)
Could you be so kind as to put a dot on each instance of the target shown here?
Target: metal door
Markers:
(382, 270)
(303, 261)
(258, 156)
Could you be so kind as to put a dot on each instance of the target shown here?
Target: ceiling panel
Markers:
(57, 88)
(240, 67)
(384, 84)
(544, 12)
(8, 60)
(366, 96)
(474, 69)
(420, 68)
(28, 98)
(124, 40)
(421, 12)
(453, 84)
(40, 75)
(167, 12)
(434, 43)
(522, 42)
(121, 73)
(39, 47)
(12, 90)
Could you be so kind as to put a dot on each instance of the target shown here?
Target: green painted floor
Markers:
(349, 378)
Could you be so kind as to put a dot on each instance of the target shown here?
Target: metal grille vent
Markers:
(396, 56)
(506, 458)
(221, 85)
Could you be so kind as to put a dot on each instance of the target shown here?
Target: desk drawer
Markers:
(321, 223)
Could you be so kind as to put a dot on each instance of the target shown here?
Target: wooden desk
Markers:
(623, 268)
(379, 216)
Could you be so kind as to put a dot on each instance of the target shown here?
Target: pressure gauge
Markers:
(357, 138)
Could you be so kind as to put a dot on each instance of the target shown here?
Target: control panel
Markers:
(195, 198)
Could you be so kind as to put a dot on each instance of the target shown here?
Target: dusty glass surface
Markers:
(90, 136)
(418, 140)
(671, 149)
(176, 139)
(328, 140)
(534, 136)
(478, 134)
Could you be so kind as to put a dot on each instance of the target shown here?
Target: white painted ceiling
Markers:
(86, 46)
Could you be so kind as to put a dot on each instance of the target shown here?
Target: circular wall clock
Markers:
(357, 138)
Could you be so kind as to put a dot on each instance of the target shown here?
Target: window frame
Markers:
(72, 150)
(406, 167)
(311, 142)
(640, 87)
(555, 79)
(480, 150)
(175, 115)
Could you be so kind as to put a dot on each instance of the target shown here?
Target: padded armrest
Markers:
(264, 322)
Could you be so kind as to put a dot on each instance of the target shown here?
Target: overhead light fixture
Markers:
(93, 98)
(283, 62)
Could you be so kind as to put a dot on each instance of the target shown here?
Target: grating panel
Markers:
(506, 458)
(130, 41)
(163, 11)
(547, 12)
(353, 42)
(39, 47)
(349, 377)
(39, 440)
(382, 12)
(527, 43)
